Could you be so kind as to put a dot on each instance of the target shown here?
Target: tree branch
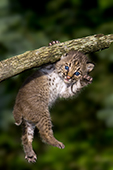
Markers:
(17, 64)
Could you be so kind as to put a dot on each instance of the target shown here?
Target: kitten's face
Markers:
(73, 66)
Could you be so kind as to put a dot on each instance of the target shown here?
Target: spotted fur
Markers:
(41, 90)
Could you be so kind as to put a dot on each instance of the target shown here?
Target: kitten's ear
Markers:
(90, 66)
(64, 56)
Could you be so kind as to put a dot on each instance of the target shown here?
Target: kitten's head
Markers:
(73, 66)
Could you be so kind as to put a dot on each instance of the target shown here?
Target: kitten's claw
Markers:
(54, 42)
(31, 159)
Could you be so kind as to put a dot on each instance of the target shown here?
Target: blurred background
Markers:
(84, 124)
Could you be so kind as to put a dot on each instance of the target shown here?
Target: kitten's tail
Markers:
(17, 113)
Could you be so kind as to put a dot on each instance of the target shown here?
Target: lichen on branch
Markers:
(30, 59)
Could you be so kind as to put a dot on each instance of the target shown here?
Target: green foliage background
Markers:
(84, 124)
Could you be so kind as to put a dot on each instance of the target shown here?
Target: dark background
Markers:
(83, 124)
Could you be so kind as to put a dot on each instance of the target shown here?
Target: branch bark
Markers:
(17, 64)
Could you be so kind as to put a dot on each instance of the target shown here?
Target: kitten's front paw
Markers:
(89, 79)
(54, 42)
(31, 158)
(85, 80)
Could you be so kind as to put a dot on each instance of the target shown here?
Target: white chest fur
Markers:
(57, 87)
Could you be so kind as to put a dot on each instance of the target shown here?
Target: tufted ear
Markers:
(70, 54)
(64, 56)
(90, 66)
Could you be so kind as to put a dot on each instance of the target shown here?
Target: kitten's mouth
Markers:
(67, 79)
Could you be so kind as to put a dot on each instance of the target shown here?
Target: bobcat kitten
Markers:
(61, 79)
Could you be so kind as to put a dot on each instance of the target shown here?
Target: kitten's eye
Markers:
(76, 73)
(66, 67)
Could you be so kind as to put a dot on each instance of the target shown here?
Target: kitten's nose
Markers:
(68, 77)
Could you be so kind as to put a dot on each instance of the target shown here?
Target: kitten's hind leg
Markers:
(46, 133)
(27, 138)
